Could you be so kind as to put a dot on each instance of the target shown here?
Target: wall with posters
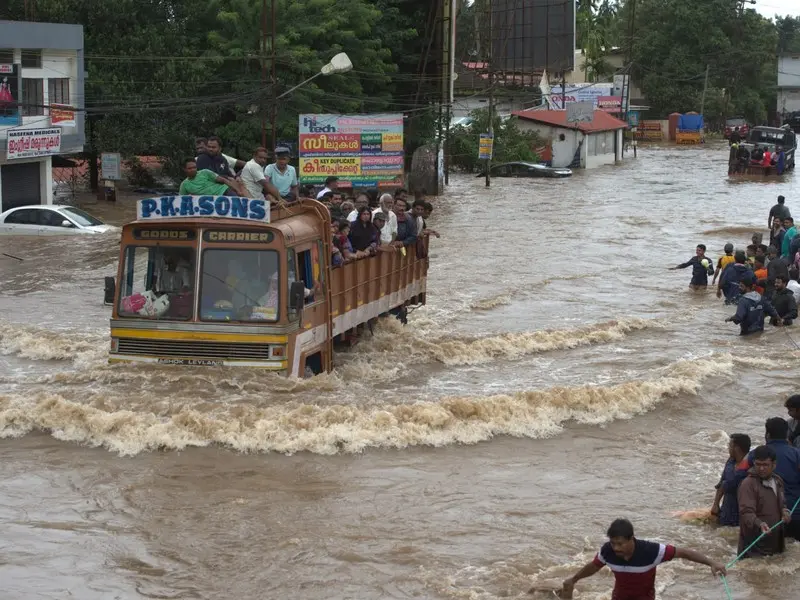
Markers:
(361, 150)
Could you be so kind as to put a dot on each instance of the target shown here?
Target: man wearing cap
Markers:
(751, 308)
(281, 176)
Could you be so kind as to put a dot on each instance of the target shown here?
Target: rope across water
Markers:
(746, 550)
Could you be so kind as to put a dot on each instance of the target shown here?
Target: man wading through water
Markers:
(634, 563)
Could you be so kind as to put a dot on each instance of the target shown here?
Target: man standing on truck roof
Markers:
(234, 164)
(281, 177)
(207, 183)
(213, 159)
(253, 176)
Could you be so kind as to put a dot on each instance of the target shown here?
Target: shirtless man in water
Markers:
(634, 563)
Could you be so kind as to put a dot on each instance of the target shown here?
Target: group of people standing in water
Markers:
(762, 281)
(759, 490)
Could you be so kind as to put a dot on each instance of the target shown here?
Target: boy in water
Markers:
(723, 262)
(633, 563)
(751, 308)
(701, 268)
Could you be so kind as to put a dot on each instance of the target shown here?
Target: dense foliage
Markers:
(160, 72)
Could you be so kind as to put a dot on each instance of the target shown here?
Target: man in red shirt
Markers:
(634, 563)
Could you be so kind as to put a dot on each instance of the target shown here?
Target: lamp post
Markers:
(339, 64)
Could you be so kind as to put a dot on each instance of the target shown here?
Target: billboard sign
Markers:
(485, 146)
(361, 150)
(62, 115)
(30, 143)
(533, 35)
(9, 95)
(589, 92)
(609, 103)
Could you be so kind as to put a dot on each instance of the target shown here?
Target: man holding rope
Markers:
(634, 563)
(761, 503)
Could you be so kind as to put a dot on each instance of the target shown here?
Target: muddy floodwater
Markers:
(559, 377)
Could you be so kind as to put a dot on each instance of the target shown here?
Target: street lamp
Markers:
(339, 64)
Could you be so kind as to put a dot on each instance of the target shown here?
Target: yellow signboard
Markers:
(341, 166)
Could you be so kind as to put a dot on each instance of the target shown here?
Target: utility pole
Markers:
(491, 95)
(274, 118)
(451, 81)
(264, 68)
(705, 89)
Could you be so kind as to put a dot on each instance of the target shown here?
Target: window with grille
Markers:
(32, 59)
(58, 91)
(6, 56)
(32, 97)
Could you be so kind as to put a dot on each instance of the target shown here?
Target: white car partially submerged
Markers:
(50, 220)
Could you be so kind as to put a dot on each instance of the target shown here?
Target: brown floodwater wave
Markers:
(132, 424)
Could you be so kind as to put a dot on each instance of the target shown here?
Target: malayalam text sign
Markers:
(30, 143)
(361, 150)
(62, 115)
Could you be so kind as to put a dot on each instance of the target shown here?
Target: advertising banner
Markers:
(485, 146)
(9, 95)
(62, 115)
(30, 143)
(610, 103)
(586, 92)
(361, 150)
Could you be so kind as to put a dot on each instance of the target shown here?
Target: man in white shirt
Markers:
(390, 229)
(331, 184)
(253, 176)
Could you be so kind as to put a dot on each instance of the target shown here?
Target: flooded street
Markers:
(560, 377)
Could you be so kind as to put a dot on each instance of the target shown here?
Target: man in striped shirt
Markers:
(634, 563)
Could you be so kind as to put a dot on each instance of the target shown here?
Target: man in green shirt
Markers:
(208, 183)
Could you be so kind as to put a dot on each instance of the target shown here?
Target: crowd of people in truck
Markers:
(363, 223)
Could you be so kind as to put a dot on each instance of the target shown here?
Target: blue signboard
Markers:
(181, 207)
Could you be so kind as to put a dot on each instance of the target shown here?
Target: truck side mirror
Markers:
(297, 295)
(110, 290)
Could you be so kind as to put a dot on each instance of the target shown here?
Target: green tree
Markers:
(510, 144)
(673, 42)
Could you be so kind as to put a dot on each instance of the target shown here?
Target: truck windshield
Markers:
(239, 285)
(157, 283)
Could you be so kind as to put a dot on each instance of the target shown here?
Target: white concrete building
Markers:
(586, 145)
(788, 84)
(41, 102)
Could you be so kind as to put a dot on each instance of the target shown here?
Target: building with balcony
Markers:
(41, 106)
